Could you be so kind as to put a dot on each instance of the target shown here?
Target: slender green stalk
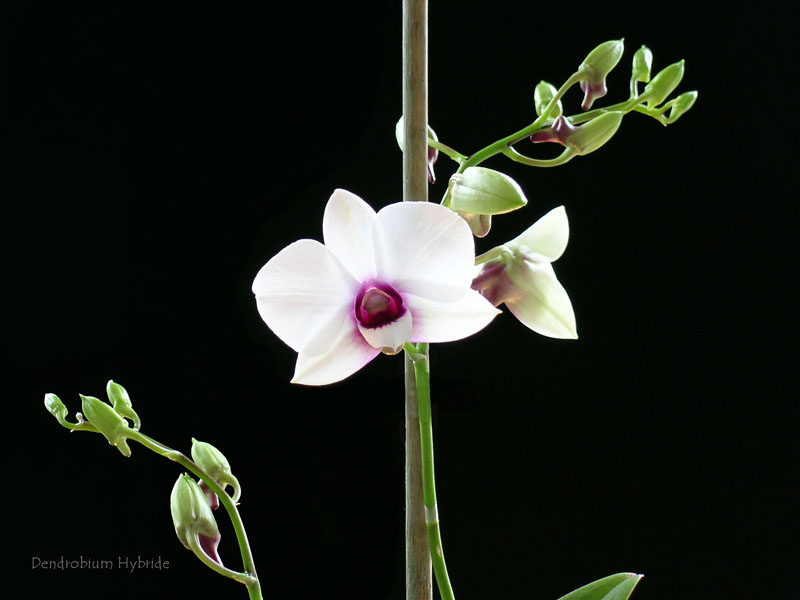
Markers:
(502, 144)
(445, 149)
(419, 356)
(249, 577)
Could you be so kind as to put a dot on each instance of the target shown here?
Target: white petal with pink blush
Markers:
(380, 280)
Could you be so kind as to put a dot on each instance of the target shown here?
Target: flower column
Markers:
(415, 188)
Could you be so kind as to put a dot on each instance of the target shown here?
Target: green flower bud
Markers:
(682, 104)
(542, 96)
(593, 134)
(213, 462)
(594, 69)
(663, 84)
(482, 191)
(108, 422)
(56, 407)
(642, 62)
(121, 402)
(194, 522)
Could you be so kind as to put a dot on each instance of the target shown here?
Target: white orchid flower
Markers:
(379, 281)
(520, 274)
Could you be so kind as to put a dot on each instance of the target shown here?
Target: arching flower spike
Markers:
(380, 280)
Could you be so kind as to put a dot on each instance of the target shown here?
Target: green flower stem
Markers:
(504, 145)
(501, 145)
(445, 149)
(418, 355)
(565, 156)
(249, 577)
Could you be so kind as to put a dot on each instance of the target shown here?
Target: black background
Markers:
(159, 157)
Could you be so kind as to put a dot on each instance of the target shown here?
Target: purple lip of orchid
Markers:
(378, 304)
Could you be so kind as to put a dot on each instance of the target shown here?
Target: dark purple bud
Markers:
(594, 69)
(559, 132)
(591, 92)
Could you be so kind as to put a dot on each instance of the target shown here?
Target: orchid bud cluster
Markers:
(191, 501)
(519, 273)
(107, 418)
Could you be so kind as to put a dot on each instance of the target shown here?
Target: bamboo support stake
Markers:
(415, 189)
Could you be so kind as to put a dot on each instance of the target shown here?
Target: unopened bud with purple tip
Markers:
(585, 138)
(478, 193)
(594, 69)
(194, 522)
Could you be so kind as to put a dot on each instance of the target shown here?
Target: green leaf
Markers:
(613, 587)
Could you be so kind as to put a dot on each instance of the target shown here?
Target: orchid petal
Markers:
(390, 336)
(347, 231)
(346, 355)
(545, 240)
(447, 322)
(302, 294)
(544, 306)
(424, 249)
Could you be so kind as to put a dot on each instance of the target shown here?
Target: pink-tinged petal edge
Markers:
(349, 353)
(302, 294)
(449, 321)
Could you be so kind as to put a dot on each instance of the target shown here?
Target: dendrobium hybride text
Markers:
(380, 280)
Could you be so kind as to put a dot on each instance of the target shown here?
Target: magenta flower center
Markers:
(377, 304)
